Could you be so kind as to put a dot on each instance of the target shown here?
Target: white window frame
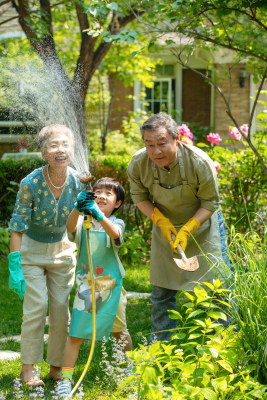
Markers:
(161, 100)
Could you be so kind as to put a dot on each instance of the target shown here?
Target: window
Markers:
(163, 96)
(160, 97)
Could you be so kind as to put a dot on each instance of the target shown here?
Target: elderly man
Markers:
(175, 185)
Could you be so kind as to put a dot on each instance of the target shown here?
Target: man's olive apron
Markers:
(108, 285)
(179, 204)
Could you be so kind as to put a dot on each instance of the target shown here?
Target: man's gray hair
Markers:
(159, 120)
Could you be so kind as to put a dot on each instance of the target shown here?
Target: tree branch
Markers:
(46, 14)
(29, 11)
(83, 66)
(199, 36)
(7, 7)
(89, 58)
(5, 2)
(82, 18)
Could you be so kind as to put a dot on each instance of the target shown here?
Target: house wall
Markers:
(196, 98)
(239, 102)
(197, 102)
(121, 103)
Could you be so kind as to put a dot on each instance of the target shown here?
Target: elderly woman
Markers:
(41, 259)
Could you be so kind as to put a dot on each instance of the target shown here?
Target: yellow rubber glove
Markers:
(165, 225)
(188, 229)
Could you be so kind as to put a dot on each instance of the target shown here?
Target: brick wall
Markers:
(239, 102)
(121, 103)
(196, 98)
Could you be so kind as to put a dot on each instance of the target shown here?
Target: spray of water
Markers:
(48, 96)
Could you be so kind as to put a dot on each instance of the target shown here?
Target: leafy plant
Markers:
(242, 181)
(134, 248)
(4, 242)
(11, 173)
(242, 184)
(248, 254)
(201, 361)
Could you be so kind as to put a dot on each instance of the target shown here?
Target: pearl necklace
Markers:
(56, 187)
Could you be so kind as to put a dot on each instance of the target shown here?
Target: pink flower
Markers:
(186, 140)
(214, 138)
(185, 131)
(236, 135)
(244, 129)
(217, 165)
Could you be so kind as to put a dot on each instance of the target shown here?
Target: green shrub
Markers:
(11, 173)
(114, 167)
(4, 242)
(248, 254)
(201, 361)
(242, 185)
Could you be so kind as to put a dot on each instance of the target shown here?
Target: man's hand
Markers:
(165, 225)
(188, 229)
(16, 277)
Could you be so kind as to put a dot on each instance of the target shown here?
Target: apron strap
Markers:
(181, 164)
(156, 175)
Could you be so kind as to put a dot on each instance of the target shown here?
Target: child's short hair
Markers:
(111, 183)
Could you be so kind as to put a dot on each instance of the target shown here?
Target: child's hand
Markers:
(94, 210)
(82, 197)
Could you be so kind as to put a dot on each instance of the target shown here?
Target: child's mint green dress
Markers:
(108, 273)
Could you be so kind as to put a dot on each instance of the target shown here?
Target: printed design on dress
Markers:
(103, 286)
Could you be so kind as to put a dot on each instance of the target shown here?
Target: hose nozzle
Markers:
(85, 177)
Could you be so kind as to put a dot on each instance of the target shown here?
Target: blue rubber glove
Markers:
(16, 277)
(94, 210)
(82, 197)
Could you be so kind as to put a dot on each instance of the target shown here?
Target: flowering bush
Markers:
(23, 144)
(185, 131)
(186, 140)
(242, 183)
(185, 135)
(214, 138)
(217, 165)
(244, 129)
(241, 179)
(234, 132)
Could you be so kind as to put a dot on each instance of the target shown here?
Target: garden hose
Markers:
(87, 224)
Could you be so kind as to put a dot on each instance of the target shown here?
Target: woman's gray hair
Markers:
(49, 130)
(159, 120)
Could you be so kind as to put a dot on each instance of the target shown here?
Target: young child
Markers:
(105, 239)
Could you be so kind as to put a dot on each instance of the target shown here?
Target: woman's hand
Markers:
(16, 277)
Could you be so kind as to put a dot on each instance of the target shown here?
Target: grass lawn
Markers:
(138, 321)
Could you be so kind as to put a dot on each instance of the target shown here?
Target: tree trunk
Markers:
(91, 52)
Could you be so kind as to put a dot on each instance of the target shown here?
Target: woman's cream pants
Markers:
(49, 270)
